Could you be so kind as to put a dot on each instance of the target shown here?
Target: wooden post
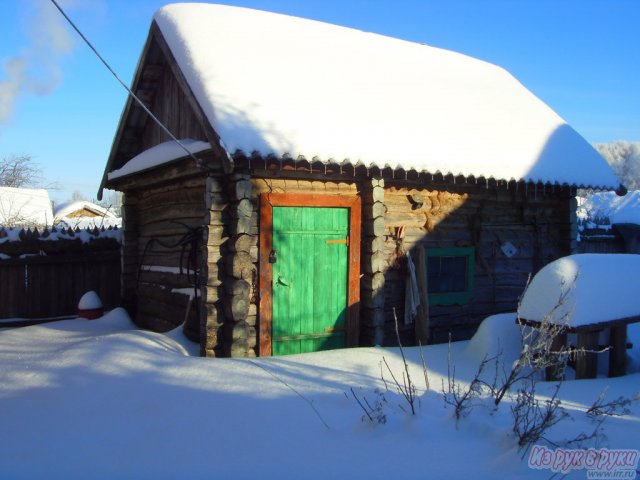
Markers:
(587, 362)
(422, 332)
(373, 262)
(618, 351)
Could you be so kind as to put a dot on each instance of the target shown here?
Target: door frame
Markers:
(265, 311)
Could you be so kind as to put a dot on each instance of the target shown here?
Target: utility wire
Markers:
(155, 119)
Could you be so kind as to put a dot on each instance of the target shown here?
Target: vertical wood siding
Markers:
(51, 286)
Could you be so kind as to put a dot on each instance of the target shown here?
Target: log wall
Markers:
(158, 281)
(539, 226)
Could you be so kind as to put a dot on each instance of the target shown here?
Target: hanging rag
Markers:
(412, 293)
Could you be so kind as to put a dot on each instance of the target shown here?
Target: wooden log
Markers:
(235, 286)
(374, 227)
(373, 244)
(374, 210)
(376, 262)
(243, 243)
(372, 281)
(245, 225)
(618, 352)
(244, 208)
(240, 266)
(374, 194)
(587, 363)
(243, 189)
(237, 307)
(213, 293)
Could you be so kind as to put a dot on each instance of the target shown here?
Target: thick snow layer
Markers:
(158, 155)
(496, 335)
(584, 289)
(608, 205)
(104, 400)
(25, 206)
(320, 90)
(89, 301)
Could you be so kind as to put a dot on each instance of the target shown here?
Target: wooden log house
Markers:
(315, 161)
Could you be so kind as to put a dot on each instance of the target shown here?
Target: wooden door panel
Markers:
(309, 279)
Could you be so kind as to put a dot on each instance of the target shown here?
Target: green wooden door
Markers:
(309, 279)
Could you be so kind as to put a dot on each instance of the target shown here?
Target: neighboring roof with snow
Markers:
(584, 289)
(72, 215)
(69, 208)
(159, 155)
(282, 85)
(25, 207)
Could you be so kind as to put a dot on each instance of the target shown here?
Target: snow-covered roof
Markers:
(584, 289)
(66, 209)
(103, 217)
(25, 207)
(280, 85)
(159, 155)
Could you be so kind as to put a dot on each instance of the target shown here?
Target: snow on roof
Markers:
(595, 288)
(25, 207)
(283, 85)
(68, 208)
(159, 155)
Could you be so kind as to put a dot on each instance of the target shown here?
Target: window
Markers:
(450, 275)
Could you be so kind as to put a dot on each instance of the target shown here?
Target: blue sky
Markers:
(582, 57)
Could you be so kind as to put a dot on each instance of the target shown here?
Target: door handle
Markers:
(282, 281)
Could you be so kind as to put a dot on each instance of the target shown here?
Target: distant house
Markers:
(329, 179)
(25, 207)
(85, 214)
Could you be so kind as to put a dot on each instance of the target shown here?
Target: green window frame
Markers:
(454, 289)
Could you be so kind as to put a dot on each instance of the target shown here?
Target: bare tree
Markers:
(624, 158)
(19, 171)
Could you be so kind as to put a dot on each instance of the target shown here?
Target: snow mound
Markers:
(89, 301)
(584, 289)
(496, 335)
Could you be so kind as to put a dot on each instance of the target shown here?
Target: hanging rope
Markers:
(121, 82)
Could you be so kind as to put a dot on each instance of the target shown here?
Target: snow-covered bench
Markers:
(587, 294)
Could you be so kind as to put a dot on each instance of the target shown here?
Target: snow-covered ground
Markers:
(102, 399)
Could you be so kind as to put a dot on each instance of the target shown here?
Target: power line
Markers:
(155, 119)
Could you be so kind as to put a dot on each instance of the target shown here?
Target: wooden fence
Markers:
(50, 286)
(43, 275)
